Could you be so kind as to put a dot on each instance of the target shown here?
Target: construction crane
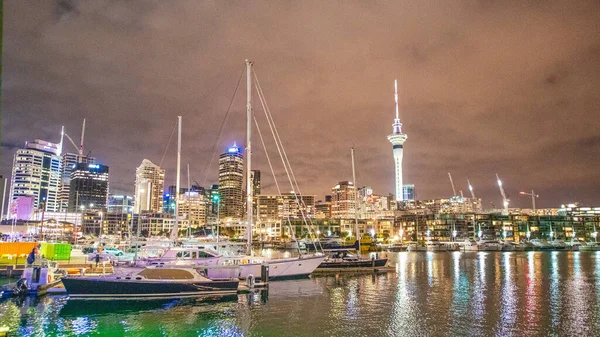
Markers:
(80, 147)
(471, 189)
(452, 183)
(533, 196)
(79, 159)
(504, 199)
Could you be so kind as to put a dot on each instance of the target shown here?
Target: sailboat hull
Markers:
(283, 268)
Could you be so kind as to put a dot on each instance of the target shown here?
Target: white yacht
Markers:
(489, 245)
(558, 244)
(414, 247)
(589, 246)
(470, 245)
(435, 245)
(248, 265)
(540, 244)
(507, 246)
(177, 257)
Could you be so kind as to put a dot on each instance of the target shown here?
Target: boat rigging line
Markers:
(168, 143)
(275, 179)
(220, 133)
(285, 160)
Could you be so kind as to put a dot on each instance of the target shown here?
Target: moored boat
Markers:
(414, 247)
(150, 282)
(434, 245)
(558, 244)
(540, 244)
(343, 259)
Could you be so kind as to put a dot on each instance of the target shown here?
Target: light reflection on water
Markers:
(430, 294)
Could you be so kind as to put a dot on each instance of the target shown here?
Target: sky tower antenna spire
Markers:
(397, 138)
(396, 97)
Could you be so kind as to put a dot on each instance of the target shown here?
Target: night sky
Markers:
(486, 87)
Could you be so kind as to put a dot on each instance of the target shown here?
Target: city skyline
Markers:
(470, 107)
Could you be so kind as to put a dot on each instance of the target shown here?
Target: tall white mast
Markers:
(176, 225)
(80, 157)
(248, 154)
(356, 231)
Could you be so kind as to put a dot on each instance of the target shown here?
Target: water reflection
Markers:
(453, 293)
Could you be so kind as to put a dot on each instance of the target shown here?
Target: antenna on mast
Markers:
(397, 125)
(396, 96)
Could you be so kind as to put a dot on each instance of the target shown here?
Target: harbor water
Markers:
(429, 294)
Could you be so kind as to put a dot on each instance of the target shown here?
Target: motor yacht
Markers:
(540, 244)
(435, 245)
(343, 259)
(558, 244)
(150, 282)
(414, 247)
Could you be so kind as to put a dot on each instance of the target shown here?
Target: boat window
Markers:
(168, 274)
(193, 255)
(204, 255)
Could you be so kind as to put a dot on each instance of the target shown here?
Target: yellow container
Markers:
(16, 248)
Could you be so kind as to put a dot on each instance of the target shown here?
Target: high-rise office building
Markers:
(193, 208)
(88, 187)
(255, 178)
(149, 186)
(36, 173)
(120, 204)
(170, 195)
(343, 203)
(231, 178)
(397, 138)
(408, 192)
(69, 160)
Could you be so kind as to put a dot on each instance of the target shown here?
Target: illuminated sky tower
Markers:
(397, 138)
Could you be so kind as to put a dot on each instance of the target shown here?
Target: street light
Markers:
(217, 198)
(101, 223)
(533, 196)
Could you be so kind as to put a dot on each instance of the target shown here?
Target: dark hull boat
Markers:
(343, 259)
(330, 245)
(150, 283)
(362, 263)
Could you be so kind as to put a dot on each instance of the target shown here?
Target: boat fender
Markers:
(250, 280)
(244, 261)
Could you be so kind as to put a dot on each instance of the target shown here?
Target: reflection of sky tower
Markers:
(397, 138)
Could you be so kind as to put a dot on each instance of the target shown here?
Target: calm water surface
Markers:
(430, 294)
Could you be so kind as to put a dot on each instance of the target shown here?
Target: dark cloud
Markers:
(486, 87)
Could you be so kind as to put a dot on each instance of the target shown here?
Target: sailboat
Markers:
(249, 264)
(341, 258)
